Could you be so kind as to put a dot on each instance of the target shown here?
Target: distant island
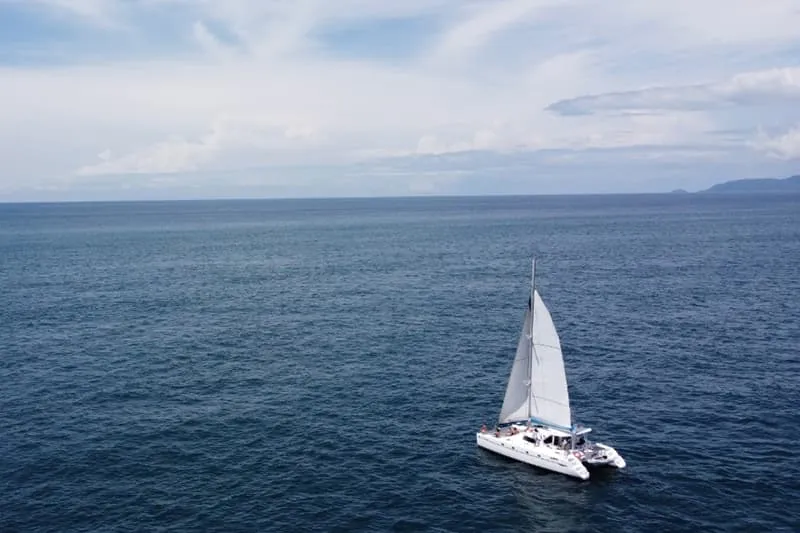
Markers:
(766, 185)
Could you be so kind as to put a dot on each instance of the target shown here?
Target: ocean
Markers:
(324, 365)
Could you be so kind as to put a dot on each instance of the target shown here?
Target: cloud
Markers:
(746, 89)
(784, 146)
(101, 13)
(209, 42)
(194, 88)
(484, 21)
(713, 22)
(177, 155)
(174, 155)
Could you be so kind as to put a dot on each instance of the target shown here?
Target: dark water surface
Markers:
(323, 365)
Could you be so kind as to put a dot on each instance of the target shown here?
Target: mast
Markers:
(530, 359)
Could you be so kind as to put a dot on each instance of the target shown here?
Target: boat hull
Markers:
(548, 458)
(607, 458)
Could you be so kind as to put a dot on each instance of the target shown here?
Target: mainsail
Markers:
(537, 386)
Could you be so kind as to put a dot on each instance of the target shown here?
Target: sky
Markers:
(167, 99)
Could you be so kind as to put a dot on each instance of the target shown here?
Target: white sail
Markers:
(517, 400)
(550, 397)
(537, 386)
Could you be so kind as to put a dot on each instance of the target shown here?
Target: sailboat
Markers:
(535, 424)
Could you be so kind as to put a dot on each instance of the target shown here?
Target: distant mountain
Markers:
(767, 185)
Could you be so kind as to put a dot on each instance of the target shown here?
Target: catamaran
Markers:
(535, 424)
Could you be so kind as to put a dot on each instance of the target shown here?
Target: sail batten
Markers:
(537, 385)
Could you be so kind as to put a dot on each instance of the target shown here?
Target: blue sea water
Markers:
(323, 365)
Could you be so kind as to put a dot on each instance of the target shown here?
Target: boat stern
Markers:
(601, 455)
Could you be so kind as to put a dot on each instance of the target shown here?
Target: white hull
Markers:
(549, 457)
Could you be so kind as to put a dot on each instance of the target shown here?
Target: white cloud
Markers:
(764, 85)
(235, 134)
(714, 22)
(750, 88)
(209, 42)
(784, 146)
(271, 87)
(103, 13)
(174, 155)
(482, 22)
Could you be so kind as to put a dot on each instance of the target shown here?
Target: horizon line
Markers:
(676, 192)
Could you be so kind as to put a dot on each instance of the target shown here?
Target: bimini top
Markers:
(557, 431)
(562, 433)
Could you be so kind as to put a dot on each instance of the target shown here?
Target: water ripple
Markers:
(323, 366)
